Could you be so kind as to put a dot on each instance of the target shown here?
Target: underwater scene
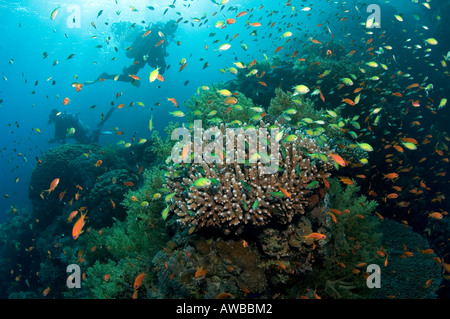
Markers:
(224, 149)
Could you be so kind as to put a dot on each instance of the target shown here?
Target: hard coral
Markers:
(241, 194)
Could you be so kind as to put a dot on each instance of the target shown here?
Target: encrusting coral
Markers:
(236, 194)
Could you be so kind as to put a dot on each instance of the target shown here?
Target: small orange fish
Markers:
(185, 152)
(138, 281)
(130, 184)
(285, 192)
(315, 236)
(223, 295)
(182, 67)
(281, 265)
(338, 159)
(53, 185)
(99, 162)
(173, 101)
(72, 215)
(240, 14)
(398, 148)
(412, 86)
(346, 180)
(348, 101)
(436, 215)
(391, 176)
(335, 211)
(66, 101)
(61, 195)
(77, 228)
(46, 291)
(391, 195)
(134, 77)
(231, 100)
(200, 272)
(333, 217)
(278, 49)
(159, 43)
(326, 183)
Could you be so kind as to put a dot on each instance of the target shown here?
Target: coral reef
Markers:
(238, 193)
(212, 108)
(412, 271)
(125, 249)
(57, 163)
(355, 238)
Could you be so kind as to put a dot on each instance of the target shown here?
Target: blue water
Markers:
(28, 94)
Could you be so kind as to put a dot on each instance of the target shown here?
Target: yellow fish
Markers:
(154, 75)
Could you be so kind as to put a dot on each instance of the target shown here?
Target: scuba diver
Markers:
(149, 47)
(68, 125)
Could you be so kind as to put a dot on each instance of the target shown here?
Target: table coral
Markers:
(241, 194)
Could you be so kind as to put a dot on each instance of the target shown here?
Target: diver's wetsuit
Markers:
(144, 50)
(65, 121)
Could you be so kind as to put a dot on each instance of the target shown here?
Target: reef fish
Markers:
(53, 185)
(77, 228)
(202, 182)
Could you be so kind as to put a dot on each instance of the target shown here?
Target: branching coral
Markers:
(241, 193)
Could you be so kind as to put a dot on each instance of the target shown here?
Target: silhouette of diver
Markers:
(68, 125)
(149, 47)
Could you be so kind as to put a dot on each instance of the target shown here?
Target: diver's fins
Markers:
(104, 75)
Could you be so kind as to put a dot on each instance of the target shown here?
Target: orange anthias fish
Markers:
(436, 215)
(391, 176)
(173, 101)
(134, 77)
(53, 185)
(138, 281)
(281, 264)
(278, 49)
(200, 272)
(61, 195)
(77, 228)
(338, 159)
(46, 291)
(348, 101)
(315, 236)
(72, 216)
(285, 192)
